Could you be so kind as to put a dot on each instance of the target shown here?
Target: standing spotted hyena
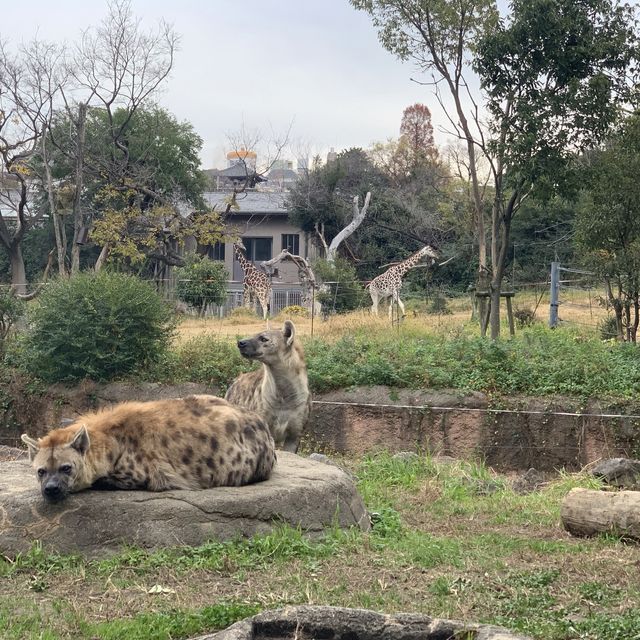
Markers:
(196, 442)
(279, 390)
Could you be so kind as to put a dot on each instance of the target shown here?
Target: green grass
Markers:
(169, 625)
(438, 545)
(536, 362)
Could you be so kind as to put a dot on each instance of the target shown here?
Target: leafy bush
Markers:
(343, 290)
(608, 328)
(438, 305)
(208, 360)
(11, 310)
(202, 282)
(99, 326)
(524, 317)
(295, 311)
(537, 361)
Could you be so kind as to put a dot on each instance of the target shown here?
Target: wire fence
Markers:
(582, 301)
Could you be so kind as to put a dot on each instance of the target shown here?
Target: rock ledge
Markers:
(97, 524)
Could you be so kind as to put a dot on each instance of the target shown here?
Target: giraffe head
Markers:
(427, 251)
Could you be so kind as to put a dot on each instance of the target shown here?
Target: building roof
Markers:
(282, 174)
(241, 172)
(250, 202)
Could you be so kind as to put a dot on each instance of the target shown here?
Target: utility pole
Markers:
(555, 288)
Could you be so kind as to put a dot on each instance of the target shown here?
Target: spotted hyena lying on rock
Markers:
(196, 442)
(279, 390)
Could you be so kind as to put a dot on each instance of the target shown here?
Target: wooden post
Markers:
(512, 329)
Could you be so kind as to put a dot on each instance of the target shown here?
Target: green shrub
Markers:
(343, 290)
(438, 305)
(202, 282)
(608, 328)
(524, 317)
(11, 310)
(294, 311)
(208, 360)
(538, 361)
(99, 326)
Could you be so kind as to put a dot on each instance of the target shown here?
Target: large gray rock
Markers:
(300, 492)
(336, 623)
(623, 473)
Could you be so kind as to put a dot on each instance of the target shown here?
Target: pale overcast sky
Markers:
(264, 63)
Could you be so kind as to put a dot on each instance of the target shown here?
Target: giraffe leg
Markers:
(401, 305)
(246, 297)
(374, 299)
(264, 303)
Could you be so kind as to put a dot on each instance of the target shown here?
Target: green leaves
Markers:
(201, 282)
(99, 326)
(554, 73)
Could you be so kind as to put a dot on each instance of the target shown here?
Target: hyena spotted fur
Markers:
(195, 442)
(279, 390)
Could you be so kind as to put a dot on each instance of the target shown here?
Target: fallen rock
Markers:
(619, 472)
(96, 523)
(529, 482)
(335, 623)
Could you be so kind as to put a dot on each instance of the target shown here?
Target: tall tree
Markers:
(416, 131)
(555, 73)
(28, 83)
(117, 66)
(130, 212)
(439, 37)
(608, 224)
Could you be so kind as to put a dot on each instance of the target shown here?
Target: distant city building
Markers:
(332, 156)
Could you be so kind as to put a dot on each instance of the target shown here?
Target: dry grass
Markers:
(578, 307)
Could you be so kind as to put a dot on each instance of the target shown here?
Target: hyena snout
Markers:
(247, 348)
(53, 490)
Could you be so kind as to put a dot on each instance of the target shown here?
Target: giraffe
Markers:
(389, 283)
(255, 282)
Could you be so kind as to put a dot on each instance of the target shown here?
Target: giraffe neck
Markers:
(244, 263)
(403, 267)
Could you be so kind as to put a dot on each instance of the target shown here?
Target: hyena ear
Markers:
(31, 444)
(289, 331)
(80, 441)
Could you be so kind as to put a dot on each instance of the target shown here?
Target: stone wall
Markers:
(513, 433)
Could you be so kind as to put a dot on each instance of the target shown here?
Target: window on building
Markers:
(258, 249)
(291, 242)
(216, 251)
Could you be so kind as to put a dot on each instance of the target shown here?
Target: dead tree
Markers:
(27, 86)
(359, 215)
(115, 67)
(305, 275)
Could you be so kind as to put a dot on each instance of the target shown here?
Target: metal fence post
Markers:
(555, 289)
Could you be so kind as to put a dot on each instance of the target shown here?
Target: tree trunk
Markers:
(18, 273)
(58, 222)
(78, 220)
(102, 258)
(358, 217)
(501, 235)
(586, 512)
